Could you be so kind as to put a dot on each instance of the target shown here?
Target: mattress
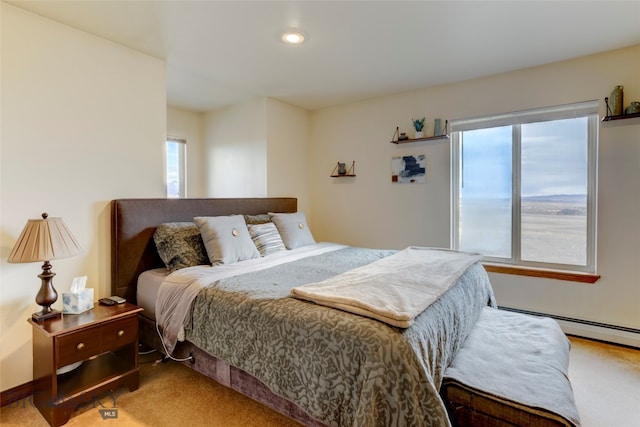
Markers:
(147, 291)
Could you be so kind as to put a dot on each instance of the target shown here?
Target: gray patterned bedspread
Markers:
(341, 368)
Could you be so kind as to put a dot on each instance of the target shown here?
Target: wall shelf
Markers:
(351, 172)
(620, 117)
(395, 139)
(429, 138)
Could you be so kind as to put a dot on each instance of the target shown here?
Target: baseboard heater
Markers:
(588, 329)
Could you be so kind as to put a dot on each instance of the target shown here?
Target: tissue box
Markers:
(77, 303)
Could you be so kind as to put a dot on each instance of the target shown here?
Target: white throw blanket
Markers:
(394, 289)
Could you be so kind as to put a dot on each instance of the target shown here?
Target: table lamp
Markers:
(43, 240)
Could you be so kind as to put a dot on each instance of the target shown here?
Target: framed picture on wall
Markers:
(409, 169)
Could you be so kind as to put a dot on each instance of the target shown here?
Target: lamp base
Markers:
(41, 317)
(46, 296)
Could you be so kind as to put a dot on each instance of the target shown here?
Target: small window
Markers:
(524, 187)
(176, 168)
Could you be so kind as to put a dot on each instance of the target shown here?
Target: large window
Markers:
(176, 167)
(524, 187)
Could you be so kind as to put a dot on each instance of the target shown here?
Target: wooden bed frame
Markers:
(133, 222)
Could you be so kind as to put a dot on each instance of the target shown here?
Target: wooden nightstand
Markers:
(104, 339)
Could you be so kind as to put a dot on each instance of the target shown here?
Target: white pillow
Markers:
(266, 238)
(293, 229)
(226, 239)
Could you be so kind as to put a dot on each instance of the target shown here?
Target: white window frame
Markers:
(182, 174)
(585, 109)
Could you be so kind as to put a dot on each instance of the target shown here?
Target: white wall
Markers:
(258, 148)
(369, 210)
(288, 153)
(83, 122)
(189, 126)
(236, 150)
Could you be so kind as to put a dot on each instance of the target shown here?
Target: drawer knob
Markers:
(80, 346)
(120, 333)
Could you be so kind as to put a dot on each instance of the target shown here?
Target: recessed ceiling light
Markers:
(292, 37)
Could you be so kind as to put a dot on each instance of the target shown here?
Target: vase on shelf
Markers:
(437, 127)
(616, 101)
(419, 134)
(633, 108)
(342, 169)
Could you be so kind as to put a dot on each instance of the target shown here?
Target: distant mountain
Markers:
(558, 198)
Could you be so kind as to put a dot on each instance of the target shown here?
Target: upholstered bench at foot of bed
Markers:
(511, 371)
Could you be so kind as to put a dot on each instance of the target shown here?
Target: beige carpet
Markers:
(606, 383)
(605, 379)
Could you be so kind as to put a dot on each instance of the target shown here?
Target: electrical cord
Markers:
(167, 355)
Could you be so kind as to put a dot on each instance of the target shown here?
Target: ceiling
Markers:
(220, 53)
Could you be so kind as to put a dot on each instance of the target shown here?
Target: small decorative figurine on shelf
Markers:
(399, 136)
(418, 124)
(340, 170)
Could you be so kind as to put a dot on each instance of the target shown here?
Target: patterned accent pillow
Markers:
(266, 238)
(293, 229)
(180, 245)
(226, 239)
(257, 219)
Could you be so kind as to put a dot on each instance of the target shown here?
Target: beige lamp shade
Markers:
(43, 240)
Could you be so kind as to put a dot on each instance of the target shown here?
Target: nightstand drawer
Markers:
(78, 346)
(120, 332)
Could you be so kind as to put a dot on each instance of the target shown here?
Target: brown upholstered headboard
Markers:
(133, 222)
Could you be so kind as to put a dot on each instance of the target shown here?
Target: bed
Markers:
(318, 365)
